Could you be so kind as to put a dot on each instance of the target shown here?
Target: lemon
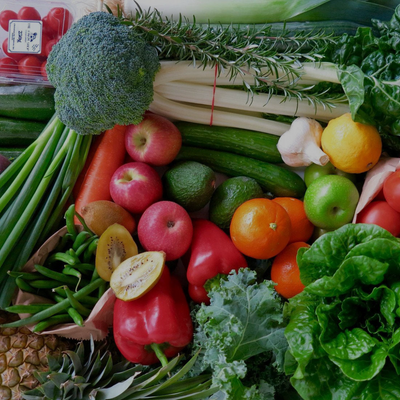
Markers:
(352, 147)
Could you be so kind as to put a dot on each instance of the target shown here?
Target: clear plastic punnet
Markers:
(29, 30)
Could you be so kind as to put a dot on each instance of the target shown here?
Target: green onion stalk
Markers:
(34, 191)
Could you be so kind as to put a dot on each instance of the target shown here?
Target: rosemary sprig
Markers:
(274, 61)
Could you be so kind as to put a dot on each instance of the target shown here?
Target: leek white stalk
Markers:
(189, 113)
(239, 100)
(184, 91)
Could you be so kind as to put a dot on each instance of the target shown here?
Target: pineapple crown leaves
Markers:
(76, 376)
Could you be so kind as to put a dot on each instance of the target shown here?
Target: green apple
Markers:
(330, 201)
(314, 171)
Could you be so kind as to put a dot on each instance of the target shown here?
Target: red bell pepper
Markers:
(155, 326)
(211, 253)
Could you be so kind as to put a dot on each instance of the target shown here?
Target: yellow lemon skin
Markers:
(352, 147)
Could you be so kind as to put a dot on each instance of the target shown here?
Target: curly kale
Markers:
(103, 73)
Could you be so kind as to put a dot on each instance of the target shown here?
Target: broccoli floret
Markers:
(103, 73)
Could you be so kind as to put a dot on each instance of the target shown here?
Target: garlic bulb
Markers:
(300, 146)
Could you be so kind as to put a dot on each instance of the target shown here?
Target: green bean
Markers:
(85, 245)
(82, 237)
(63, 257)
(90, 251)
(28, 308)
(76, 317)
(60, 291)
(95, 275)
(58, 298)
(26, 276)
(63, 243)
(69, 221)
(45, 284)
(49, 273)
(85, 268)
(55, 320)
(82, 221)
(102, 289)
(75, 303)
(24, 286)
(71, 252)
(56, 308)
(89, 301)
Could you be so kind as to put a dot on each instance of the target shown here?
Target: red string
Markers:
(213, 96)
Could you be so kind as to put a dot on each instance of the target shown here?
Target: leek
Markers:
(267, 11)
(34, 191)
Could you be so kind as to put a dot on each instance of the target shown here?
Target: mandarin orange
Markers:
(260, 228)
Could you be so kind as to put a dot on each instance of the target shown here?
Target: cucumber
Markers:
(261, 146)
(274, 179)
(31, 102)
(19, 133)
(10, 152)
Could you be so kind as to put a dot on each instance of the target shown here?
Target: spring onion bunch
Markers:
(34, 190)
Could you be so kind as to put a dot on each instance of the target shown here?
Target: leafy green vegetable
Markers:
(244, 319)
(344, 328)
(369, 71)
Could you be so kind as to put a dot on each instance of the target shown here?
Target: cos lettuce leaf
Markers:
(344, 328)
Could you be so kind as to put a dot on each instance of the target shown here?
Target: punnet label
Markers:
(25, 36)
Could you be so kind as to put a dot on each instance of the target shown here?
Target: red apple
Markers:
(166, 226)
(155, 140)
(135, 186)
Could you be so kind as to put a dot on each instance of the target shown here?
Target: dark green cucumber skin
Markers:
(261, 146)
(275, 179)
(30, 102)
(14, 132)
(11, 153)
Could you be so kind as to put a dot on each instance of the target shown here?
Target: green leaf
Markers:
(58, 378)
(323, 380)
(352, 80)
(348, 344)
(352, 272)
(365, 367)
(115, 390)
(244, 319)
(327, 253)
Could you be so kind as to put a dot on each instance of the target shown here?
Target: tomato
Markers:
(30, 65)
(391, 190)
(49, 45)
(47, 30)
(15, 56)
(381, 214)
(5, 17)
(45, 41)
(8, 66)
(43, 69)
(28, 13)
(59, 20)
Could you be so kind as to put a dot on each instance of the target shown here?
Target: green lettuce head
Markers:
(344, 328)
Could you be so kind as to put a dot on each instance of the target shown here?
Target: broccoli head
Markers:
(103, 72)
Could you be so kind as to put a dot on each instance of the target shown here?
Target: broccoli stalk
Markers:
(103, 72)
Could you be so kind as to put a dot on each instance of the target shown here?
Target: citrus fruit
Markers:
(352, 147)
(229, 196)
(260, 228)
(285, 271)
(302, 228)
(136, 275)
(190, 184)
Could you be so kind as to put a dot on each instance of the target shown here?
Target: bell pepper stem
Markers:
(159, 353)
